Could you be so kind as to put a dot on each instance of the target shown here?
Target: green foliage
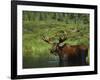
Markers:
(36, 24)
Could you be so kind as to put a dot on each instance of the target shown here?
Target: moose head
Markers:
(56, 44)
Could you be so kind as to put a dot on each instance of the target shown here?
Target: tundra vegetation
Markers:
(36, 53)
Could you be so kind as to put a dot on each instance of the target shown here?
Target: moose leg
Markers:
(85, 57)
(84, 54)
(60, 61)
(65, 60)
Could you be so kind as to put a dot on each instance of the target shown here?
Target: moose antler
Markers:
(62, 37)
(46, 39)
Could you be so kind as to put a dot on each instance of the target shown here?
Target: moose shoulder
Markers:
(69, 55)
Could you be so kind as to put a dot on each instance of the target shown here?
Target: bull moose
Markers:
(69, 55)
